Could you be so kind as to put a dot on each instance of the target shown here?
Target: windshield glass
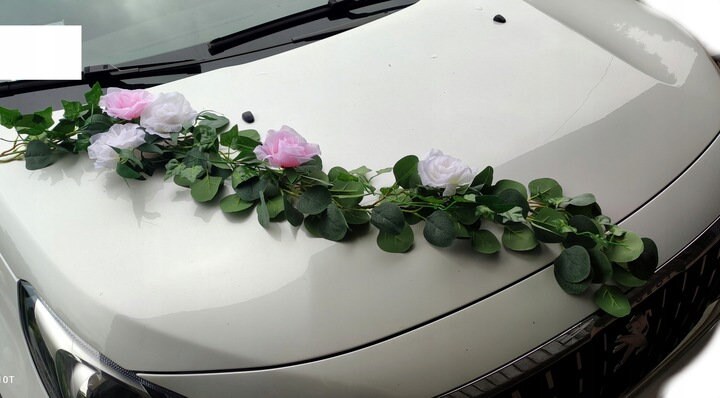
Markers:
(115, 32)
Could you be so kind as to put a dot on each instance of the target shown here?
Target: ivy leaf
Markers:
(573, 264)
(388, 218)
(234, 204)
(8, 117)
(406, 172)
(626, 248)
(504, 185)
(96, 124)
(545, 188)
(439, 229)
(396, 243)
(484, 241)
(644, 266)
(38, 155)
(73, 109)
(205, 190)
(92, 97)
(613, 301)
(518, 237)
(315, 200)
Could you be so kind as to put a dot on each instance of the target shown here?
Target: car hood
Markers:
(603, 97)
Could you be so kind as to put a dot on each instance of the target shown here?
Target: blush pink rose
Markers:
(125, 104)
(286, 148)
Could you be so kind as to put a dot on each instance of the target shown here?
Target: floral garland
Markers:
(135, 133)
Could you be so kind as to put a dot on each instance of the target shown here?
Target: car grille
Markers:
(603, 356)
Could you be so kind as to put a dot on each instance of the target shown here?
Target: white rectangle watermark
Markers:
(47, 52)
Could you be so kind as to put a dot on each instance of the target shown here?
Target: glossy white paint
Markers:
(159, 283)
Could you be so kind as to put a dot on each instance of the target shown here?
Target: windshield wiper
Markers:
(334, 9)
(106, 75)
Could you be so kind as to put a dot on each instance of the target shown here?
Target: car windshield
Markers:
(116, 32)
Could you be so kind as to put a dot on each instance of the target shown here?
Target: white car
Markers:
(120, 288)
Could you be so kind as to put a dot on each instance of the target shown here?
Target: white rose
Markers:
(168, 113)
(442, 171)
(121, 136)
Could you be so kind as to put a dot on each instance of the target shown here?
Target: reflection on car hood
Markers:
(159, 283)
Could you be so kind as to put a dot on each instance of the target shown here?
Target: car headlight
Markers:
(69, 367)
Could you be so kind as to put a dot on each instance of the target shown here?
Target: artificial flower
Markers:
(286, 148)
(438, 170)
(168, 113)
(125, 104)
(121, 136)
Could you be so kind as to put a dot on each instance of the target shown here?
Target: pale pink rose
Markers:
(125, 104)
(286, 148)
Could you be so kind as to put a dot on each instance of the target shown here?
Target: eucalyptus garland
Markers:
(282, 178)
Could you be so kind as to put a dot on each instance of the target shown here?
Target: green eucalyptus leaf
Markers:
(356, 216)
(205, 190)
(484, 241)
(582, 224)
(545, 188)
(212, 120)
(315, 200)
(570, 287)
(339, 173)
(573, 264)
(406, 172)
(465, 214)
(275, 206)
(482, 179)
(294, 217)
(250, 190)
(263, 214)
(38, 155)
(504, 185)
(592, 210)
(612, 300)
(334, 227)
(602, 267)
(396, 243)
(126, 171)
(625, 249)
(623, 277)
(644, 266)
(150, 148)
(547, 224)
(234, 204)
(242, 174)
(585, 199)
(518, 237)
(516, 199)
(388, 218)
(439, 229)
(494, 203)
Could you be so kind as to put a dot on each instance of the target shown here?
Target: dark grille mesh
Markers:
(606, 356)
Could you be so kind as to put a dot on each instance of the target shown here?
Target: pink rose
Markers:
(125, 104)
(286, 148)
